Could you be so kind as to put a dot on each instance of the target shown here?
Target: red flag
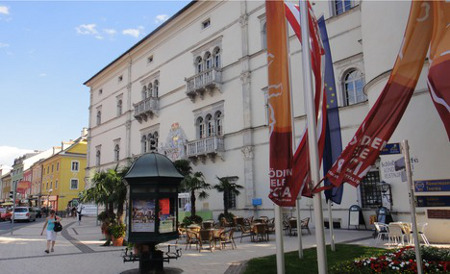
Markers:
(301, 156)
(381, 121)
(280, 123)
(438, 80)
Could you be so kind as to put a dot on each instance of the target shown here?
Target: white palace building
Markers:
(196, 88)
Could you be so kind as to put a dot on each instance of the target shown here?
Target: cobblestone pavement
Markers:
(78, 250)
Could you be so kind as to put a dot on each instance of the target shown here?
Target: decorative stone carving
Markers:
(248, 152)
(245, 77)
(243, 20)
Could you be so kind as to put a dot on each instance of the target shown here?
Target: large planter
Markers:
(117, 241)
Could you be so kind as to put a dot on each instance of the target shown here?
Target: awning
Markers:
(7, 204)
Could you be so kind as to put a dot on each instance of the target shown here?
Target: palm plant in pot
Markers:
(117, 231)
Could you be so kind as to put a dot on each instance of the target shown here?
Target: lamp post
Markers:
(48, 198)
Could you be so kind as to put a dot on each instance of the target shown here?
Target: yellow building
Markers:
(6, 186)
(63, 174)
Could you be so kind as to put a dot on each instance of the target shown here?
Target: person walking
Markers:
(80, 209)
(51, 235)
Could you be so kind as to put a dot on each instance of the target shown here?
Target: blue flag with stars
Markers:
(333, 141)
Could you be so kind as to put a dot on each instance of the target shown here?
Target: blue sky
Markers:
(48, 49)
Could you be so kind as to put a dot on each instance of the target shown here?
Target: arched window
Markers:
(144, 144)
(150, 90)
(209, 125)
(208, 60)
(199, 65)
(218, 119)
(119, 107)
(97, 157)
(264, 36)
(200, 128)
(116, 152)
(99, 117)
(153, 142)
(353, 84)
(341, 6)
(155, 88)
(217, 62)
(144, 93)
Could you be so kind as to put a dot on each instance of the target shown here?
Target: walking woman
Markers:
(51, 235)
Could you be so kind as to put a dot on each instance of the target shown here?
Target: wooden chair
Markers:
(261, 232)
(192, 238)
(206, 237)
(226, 237)
(246, 231)
(292, 227)
(305, 224)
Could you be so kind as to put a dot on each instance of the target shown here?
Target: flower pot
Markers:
(117, 241)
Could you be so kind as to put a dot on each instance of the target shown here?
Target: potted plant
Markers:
(117, 231)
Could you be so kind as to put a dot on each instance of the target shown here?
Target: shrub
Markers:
(229, 217)
(117, 230)
(188, 220)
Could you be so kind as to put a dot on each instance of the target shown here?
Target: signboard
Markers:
(432, 185)
(257, 201)
(433, 201)
(389, 149)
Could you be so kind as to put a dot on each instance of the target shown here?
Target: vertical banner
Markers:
(438, 75)
(280, 121)
(333, 140)
(382, 119)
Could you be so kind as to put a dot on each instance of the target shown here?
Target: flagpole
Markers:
(297, 202)
(312, 139)
(331, 225)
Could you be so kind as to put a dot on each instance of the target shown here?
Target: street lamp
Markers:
(48, 198)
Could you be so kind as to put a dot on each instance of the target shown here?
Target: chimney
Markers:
(84, 132)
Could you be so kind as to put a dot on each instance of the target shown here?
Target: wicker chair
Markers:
(246, 231)
(192, 238)
(305, 224)
(226, 237)
(206, 237)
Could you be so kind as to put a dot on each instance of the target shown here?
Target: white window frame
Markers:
(75, 164)
(358, 94)
(73, 180)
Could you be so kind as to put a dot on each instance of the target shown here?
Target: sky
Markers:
(48, 49)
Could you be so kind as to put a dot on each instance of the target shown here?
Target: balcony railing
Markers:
(207, 80)
(206, 146)
(146, 109)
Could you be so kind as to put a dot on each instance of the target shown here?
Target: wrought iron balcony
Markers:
(209, 146)
(207, 80)
(146, 109)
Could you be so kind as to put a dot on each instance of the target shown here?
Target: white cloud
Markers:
(161, 18)
(43, 74)
(8, 154)
(4, 10)
(87, 29)
(110, 31)
(133, 32)
(3, 45)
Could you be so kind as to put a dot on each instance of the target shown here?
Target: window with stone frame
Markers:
(200, 128)
(209, 125)
(353, 87)
(99, 117)
(116, 152)
(155, 88)
(199, 65)
(371, 196)
(98, 155)
(217, 58)
(144, 144)
(218, 122)
(153, 142)
(341, 6)
(119, 106)
(144, 93)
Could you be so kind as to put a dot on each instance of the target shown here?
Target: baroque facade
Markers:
(196, 88)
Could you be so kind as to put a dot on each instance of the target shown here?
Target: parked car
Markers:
(38, 212)
(23, 213)
(5, 214)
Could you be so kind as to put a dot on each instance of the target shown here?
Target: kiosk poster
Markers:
(166, 221)
(143, 216)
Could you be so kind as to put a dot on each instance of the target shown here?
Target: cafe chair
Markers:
(261, 232)
(421, 229)
(206, 237)
(226, 237)
(246, 231)
(381, 231)
(396, 235)
(191, 239)
(305, 224)
(292, 227)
